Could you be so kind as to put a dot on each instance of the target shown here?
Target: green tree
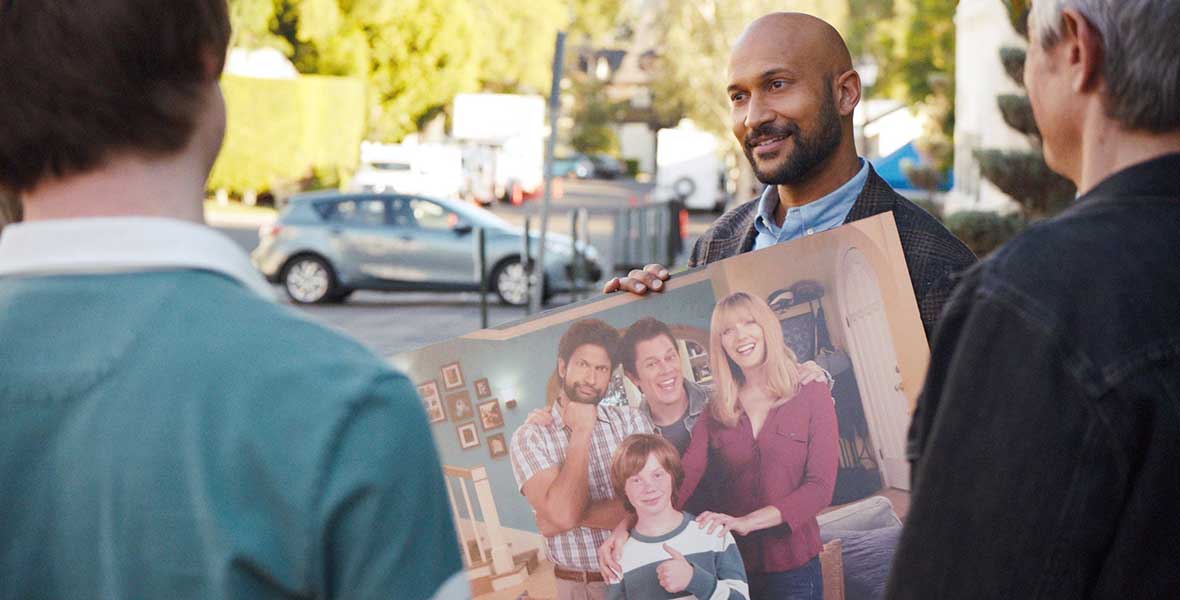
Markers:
(696, 38)
(914, 47)
(417, 54)
(593, 118)
(1023, 174)
(515, 44)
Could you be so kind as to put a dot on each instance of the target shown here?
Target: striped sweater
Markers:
(718, 572)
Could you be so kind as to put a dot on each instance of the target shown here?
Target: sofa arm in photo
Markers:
(868, 532)
(871, 513)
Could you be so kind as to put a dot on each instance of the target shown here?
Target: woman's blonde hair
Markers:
(782, 366)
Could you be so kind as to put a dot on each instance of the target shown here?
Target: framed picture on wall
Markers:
(452, 376)
(482, 388)
(459, 406)
(468, 438)
(432, 401)
(497, 447)
(490, 416)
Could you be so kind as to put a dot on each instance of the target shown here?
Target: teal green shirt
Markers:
(171, 434)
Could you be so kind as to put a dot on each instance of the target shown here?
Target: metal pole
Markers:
(526, 261)
(554, 112)
(583, 267)
(481, 244)
(641, 245)
(656, 227)
(574, 263)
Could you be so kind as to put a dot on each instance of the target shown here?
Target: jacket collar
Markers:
(123, 245)
(876, 197)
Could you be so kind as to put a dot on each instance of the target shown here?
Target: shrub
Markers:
(1024, 176)
(280, 129)
(632, 166)
(984, 231)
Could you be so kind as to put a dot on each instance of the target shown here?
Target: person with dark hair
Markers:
(651, 360)
(159, 439)
(1045, 443)
(792, 92)
(563, 466)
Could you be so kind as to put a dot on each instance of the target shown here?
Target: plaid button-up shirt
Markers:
(535, 448)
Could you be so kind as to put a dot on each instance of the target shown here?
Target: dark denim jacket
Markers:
(1046, 445)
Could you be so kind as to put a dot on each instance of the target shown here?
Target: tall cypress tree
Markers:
(1023, 174)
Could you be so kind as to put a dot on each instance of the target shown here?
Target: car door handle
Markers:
(334, 230)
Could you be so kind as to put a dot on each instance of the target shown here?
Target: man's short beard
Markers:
(810, 151)
(571, 394)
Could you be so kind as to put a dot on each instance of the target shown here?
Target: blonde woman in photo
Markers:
(773, 442)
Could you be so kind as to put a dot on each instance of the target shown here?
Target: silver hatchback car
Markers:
(325, 245)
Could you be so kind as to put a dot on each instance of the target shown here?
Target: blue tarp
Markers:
(890, 168)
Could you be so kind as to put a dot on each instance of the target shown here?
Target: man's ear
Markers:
(847, 92)
(560, 369)
(1085, 52)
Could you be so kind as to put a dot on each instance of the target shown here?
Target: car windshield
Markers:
(475, 216)
(478, 217)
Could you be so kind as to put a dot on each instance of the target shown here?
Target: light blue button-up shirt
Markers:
(811, 218)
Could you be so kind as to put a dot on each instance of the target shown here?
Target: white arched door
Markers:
(874, 360)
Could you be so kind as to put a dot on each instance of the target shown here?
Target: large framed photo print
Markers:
(838, 302)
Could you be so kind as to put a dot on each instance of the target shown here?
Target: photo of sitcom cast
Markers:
(764, 401)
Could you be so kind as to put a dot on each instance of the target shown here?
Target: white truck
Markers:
(689, 168)
(503, 136)
(434, 170)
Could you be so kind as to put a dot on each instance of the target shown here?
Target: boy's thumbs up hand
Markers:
(674, 574)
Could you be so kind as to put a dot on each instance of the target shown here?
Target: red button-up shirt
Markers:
(791, 466)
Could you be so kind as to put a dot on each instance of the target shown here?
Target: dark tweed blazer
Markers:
(934, 256)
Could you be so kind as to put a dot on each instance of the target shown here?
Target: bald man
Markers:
(792, 91)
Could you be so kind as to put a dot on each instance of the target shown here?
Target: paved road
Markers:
(394, 322)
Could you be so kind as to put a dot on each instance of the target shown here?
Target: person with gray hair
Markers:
(1045, 443)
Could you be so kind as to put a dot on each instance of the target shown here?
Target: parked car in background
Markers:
(325, 245)
(607, 166)
(577, 165)
(588, 166)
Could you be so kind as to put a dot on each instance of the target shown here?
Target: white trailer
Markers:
(689, 168)
(504, 139)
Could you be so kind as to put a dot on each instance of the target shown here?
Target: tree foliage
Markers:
(416, 55)
(279, 130)
(984, 231)
(1023, 174)
(696, 38)
(915, 48)
(593, 117)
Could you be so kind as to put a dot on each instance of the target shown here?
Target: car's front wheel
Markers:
(510, 280)
(309, 280)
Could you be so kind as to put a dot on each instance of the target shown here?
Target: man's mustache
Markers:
(766, 131)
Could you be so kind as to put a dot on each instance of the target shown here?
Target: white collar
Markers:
(121, 245)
